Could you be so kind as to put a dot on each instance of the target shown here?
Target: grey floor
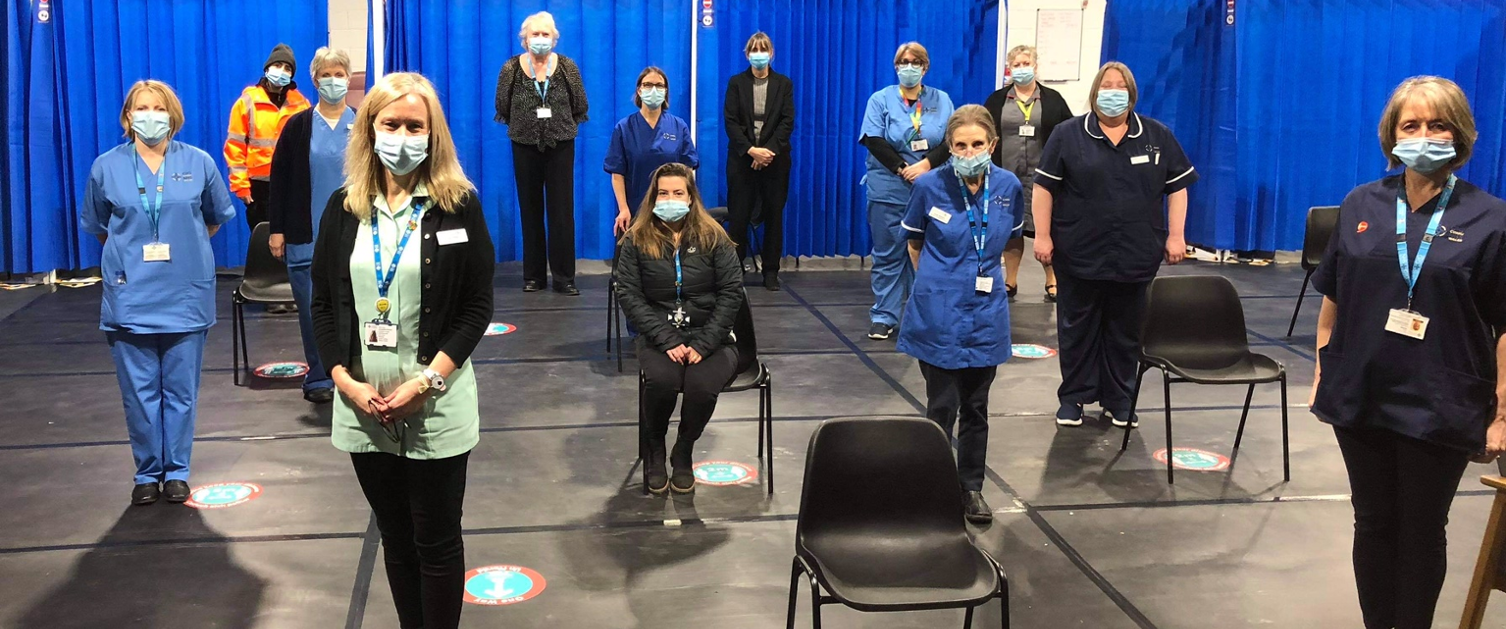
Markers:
(1090, 537)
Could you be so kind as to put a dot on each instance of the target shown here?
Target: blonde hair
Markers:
(164, 93)
(916, 50)
(545, 20)
(1449, 105)
(1129, 84)
(1021, 50)
(759, 42)
(967, 115)
(364, 172)
(325, 56)
(654, 239)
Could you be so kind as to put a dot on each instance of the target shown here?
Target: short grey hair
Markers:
(543, 19)
(326, 56)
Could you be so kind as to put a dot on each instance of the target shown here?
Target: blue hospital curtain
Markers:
(70, 89)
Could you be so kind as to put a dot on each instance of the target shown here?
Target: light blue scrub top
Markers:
(889, 118)
(156, 297)
(326, 175)
(638, 149)
(948, 323)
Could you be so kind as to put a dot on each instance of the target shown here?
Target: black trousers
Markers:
(665, 380)
(1401, 489)
(256, 210)
(1098, 327)
(964, 392)
(417, 505)
(762, 194)
(540, 173)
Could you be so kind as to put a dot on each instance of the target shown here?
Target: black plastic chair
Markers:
(265, 282)
(1321, 222)
(1194, 331)
(751, 374)
(881, 524)
(614, 312)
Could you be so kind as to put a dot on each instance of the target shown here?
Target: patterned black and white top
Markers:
(518, 103)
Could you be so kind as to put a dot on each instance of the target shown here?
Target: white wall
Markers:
(1022, 31)
(347, 29)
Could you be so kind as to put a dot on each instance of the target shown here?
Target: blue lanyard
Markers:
(679, 279)
(979, 232)
(385, 284)
(1410, 273)
(152, 212)
(542, 89)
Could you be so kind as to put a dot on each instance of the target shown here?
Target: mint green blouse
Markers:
(449, 423)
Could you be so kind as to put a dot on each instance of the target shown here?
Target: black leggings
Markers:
(1401, 489)
(256, 210)
(664, 380)
(537, 172)
(417, 505)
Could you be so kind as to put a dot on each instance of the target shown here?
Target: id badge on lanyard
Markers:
(983, 283)
(156, 250)
(1408, 322)
(382, 332)
(917, 144)
(678, 318)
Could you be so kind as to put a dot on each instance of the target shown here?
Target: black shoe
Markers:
(771, 281)
(655, 477)
(976, 509)
(320, 396)
(683, 479)
(176, 490)
(532, 286)
(880, 332)
(145, 494)
(567, 288)
(1011, 291)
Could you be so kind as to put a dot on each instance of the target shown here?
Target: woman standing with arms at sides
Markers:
(154, 203)
(542, 100)
(307, 168)
(1412, 364)
(1110, 203)
(957, 321)
(759, 116)
(644, 141)
(402, 294)
(902, 131)
(1025, 113)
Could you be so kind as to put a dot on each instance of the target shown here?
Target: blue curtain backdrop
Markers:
(65, 82)
(837, 52)
(1279, 110)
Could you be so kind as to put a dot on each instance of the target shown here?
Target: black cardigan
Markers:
(457, 292)
(291, 188)
(1054, 111)
(778, 122)
(713, 290)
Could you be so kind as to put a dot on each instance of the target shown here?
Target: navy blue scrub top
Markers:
(1108, 211)
(637, 150)
(156, 297)
(947, 322)
(1440, 389)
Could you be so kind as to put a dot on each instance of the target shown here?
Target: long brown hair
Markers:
(654, 239)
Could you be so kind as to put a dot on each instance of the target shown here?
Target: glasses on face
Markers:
(908, 64)
(648, 84)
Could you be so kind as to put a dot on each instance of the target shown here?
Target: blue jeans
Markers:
(892, 274)
(159, 383)
(303, 293)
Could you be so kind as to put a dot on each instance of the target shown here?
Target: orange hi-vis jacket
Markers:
(255, 124)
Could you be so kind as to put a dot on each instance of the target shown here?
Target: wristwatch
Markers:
(435, 381)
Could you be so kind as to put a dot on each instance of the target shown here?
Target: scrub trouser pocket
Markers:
(159, 384)
(892, 274)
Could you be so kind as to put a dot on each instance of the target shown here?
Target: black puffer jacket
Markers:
(713, 295)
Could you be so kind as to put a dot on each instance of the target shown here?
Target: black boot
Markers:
(655, 478)
(683, 479)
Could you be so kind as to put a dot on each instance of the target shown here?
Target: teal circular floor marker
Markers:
(498, 329)
(1032, 351)
(282, 370)
(223, 495)
(502, 585)
(720, 473)
(1194, 459)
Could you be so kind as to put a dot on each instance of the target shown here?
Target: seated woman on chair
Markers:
(680, 284)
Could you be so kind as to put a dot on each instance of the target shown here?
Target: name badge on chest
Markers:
(545, 112)
(920, 146)
(156, 252)
(1140, 159)
(940, 215)
(1027, 130)
(381, 333)
(1407, 323)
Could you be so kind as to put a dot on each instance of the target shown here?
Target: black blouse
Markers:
(518, 103)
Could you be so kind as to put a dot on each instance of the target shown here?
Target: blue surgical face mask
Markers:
(332, 89)
(1022, 75)
(540, 45)
(759, 60)
(652, 97)
(1112, 103)
(1424, 155)
(909, 75)
(150, 126)
(972, 166)
(279, 77)
(671, 211)
(401, 153)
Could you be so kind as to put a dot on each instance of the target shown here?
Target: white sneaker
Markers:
(1119, 423)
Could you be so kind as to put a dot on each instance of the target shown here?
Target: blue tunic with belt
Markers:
(638, 149)
(326, 175)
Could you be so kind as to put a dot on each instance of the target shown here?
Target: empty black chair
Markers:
(265, 282)
(1321, 222)
(751, 374)
(1194, 331)
(881, 524)
(614, 312)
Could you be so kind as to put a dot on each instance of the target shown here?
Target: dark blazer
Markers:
(1054, 111)
(457, 292)
(713, 293)
(779, 116)
(291, 187)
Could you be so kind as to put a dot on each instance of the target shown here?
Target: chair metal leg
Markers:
(235, 342)
(1003, 600)
(815, 603)
(610, 299)
(762, 400)
(245, 347)
(642, 435)
(1286, 456)
(967, 620)
(1239, 434)
(1305, 279)
(789, 622)
(769, 431)
(1166, 391)
(1134, 402)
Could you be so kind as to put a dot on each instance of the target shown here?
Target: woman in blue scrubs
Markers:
(644, 141)
(902, 131)
(959, 219)
(307, 167)
(1110, 202)
(1411, 366)
(154, 203)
